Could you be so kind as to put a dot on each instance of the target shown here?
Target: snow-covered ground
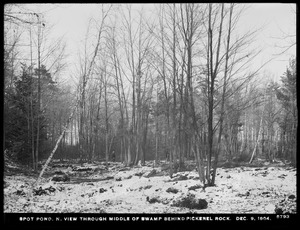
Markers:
(93, 188)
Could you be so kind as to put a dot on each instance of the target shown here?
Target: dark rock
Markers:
(172, 190)
(278, 210)
(102, 190)
(61, 177)
(118, 179)
(291, 196)
(228, 177)
(189, 201)
(202, 204)
(152, 200)
(19, 192)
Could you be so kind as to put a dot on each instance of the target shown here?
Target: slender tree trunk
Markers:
(212, 74)
(156, 143)
(144, 147)
(156, 130)
(210, 95)
(92, 137)
(119, 96)
(223, 109)
(106, 123)
(32, 129)
(174, 125)
(39, 96)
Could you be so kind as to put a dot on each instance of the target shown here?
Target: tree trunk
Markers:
(106, 122)
(39, 98)
(257, 140)
(223, 109)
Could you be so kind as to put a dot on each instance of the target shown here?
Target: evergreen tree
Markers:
(286, 94)
(20, 113)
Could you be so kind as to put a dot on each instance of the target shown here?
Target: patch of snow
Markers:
(125, 190)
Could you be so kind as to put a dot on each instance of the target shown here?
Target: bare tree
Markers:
(137, 42)
(78, 102)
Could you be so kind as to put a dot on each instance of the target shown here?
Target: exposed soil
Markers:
(97, 188)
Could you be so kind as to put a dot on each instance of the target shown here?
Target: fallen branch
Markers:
(87, 74)
(55, 148)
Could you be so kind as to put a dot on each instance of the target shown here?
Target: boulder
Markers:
(152, 200)
(292, 196)
(189, 201)
(102, 190)
(61, 177)
(172, 190)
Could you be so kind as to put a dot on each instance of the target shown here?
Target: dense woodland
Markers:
(177, 84)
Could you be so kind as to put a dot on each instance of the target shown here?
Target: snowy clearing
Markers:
(95, 188)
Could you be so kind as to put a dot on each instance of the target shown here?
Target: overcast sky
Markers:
(278, 20)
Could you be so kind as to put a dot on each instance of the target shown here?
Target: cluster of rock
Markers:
(287, 205)
(184, 201)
